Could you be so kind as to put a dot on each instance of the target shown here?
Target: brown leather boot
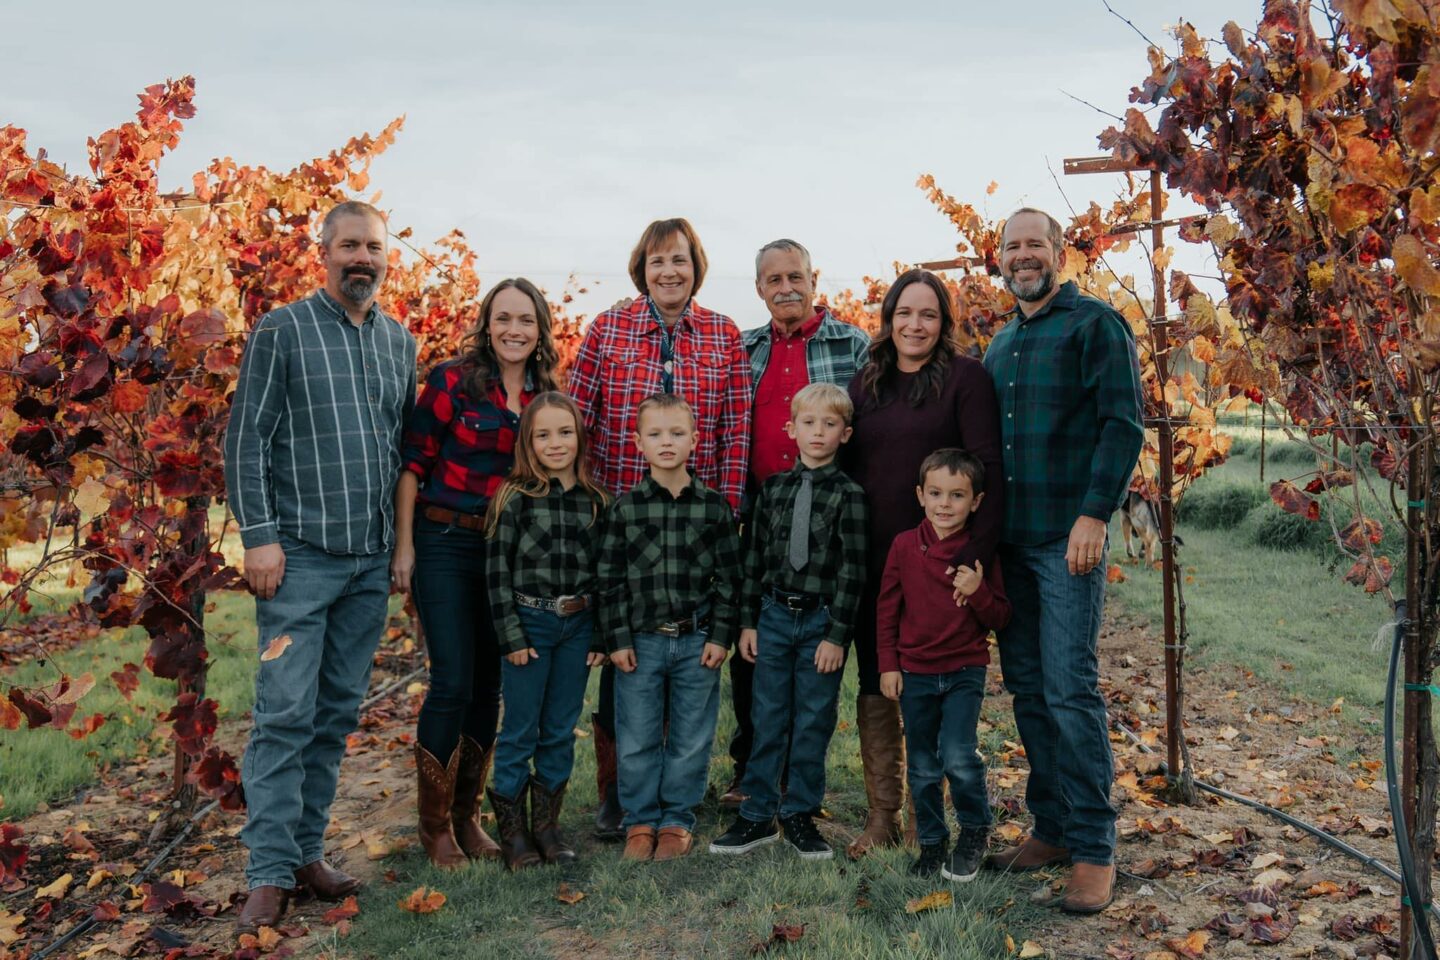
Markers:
(465, 810)
(436, 792)
(263, 908)
(516, 846)
(1029, 854)
(609, 817)
(326, 882)
(545, 823)
(639, 843)
(672, 843)
(883, 753)
(1091, 888)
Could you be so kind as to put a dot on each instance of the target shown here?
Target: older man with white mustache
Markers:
(802, 344)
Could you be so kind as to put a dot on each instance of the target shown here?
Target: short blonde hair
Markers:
(826, 397)
(662, 401)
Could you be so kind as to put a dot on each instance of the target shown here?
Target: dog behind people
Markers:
(1140, 518)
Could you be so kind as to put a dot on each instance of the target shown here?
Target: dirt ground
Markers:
(1214, 879)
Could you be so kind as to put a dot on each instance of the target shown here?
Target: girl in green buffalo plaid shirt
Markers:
(544, 527)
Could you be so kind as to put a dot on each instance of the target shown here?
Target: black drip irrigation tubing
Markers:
(89, 922)
(1380, 866)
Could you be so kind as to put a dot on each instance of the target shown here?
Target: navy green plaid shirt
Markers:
(544, 547)
(836, 567)
(664, 558)
(1068, 383)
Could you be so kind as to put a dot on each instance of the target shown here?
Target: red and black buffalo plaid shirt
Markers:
(620, 364)
(460, 447)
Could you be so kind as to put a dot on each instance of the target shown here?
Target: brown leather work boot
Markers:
(435, 794)
(732, 797)
(672, 843)
(545, 823)
(470, 780)
(516, 845)
(263, 908)
(1091, 888)
(326, 882)
(883, 753)
(1029, 854)
(639, 843)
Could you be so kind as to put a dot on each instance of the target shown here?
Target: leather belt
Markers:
(677, 628)
(566, 606)
(470, 521)
(797, 601)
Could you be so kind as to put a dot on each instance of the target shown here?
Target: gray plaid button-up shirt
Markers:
(312, 449)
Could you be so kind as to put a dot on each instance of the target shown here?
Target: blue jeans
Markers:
(453, 600)
(793, 710)
(307, 701)
(662, 778)
(542, 702)
(941, 713)
(1048, 656)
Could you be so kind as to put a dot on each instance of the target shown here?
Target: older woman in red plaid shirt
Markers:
(663, 342)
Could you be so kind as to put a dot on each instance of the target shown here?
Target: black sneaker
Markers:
(931, 860)
(745, 835)
(967, 856)
(800, 833)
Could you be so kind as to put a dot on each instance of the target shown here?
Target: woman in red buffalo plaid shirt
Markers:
(663, 342)
(458, 448)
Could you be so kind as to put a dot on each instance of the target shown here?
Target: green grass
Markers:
(46, 765)
(702, 905)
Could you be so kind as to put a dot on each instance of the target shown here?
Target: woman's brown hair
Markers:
(528, 477)
(657, 235)
(477, 352)
(884, 359)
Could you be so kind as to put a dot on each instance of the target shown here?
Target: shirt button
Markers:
(1010, 479)
(1016, 353)
(1012, 383)
(1010, 415)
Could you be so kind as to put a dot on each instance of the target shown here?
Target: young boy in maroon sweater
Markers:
(933, 658)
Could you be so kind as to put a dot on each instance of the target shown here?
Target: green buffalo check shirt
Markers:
(835, 569)
(544, 547)
(664, 558)
(1068, 383)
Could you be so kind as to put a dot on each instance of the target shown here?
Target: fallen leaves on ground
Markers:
(779, 933)
(422, 900)
(56, 889)
(939, 900)
(569, 895)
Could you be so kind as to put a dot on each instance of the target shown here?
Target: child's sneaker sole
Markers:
(714, 848)
(958, 877)
(827, 854)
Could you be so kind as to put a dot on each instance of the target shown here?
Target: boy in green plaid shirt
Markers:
(670, 579)
(804, 570)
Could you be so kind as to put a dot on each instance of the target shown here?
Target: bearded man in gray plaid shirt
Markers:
(312, 453)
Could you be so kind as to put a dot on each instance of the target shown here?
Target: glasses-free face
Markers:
(670, 274)
(818, 434)
(948, 499)
(513, 327)
(555, 439)
(354, 259)
(915, 327)
(1028, 258)
(786, 286)
(666, 437)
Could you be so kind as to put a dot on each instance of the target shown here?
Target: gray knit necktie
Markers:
(800, 522)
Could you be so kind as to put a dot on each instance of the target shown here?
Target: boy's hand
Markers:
(712, 656)
(624, 660)
(968, 580)
(595, 659)
(749, 641)
(521, 657)
(829, 657)
(891, 684)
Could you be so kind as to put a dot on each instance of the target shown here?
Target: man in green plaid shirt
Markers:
(1068, 384)
(670, 574)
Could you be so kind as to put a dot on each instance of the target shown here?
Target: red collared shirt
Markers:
(785, 375)
(619, 365)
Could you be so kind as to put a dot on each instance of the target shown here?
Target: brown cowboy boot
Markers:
(609, 817)
(515, 844)
(1091, 888)
(326, 882)
(264, 907)
(436, 792)
(465, 810)
(1029, 854)
(883, 754)
(545, 823)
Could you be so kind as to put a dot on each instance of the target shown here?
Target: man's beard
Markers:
(1031, 290)
(359, 285)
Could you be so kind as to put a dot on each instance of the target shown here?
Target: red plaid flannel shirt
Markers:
(619, 365)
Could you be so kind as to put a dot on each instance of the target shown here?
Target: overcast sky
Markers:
(551, 133)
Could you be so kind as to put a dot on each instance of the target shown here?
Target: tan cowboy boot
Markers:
(883, 753)
(465, 810)
(1029, 854)
(435, 790)
(1091, 888)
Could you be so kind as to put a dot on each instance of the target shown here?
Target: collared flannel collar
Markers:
(1067, 297)
(337, 309)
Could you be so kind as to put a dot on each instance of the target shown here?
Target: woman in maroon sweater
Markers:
(916, 395)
